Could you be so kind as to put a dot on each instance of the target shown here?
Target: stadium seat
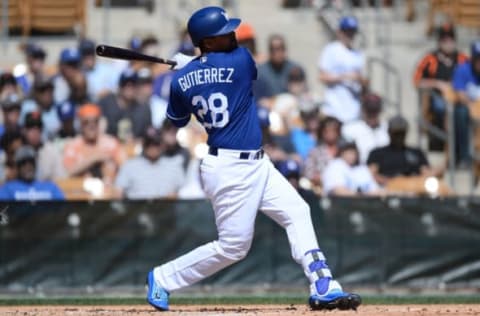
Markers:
(55, 15)
(467, 13)
(16, 15)
(415, 185)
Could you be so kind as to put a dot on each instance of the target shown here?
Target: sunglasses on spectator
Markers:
(277, 48)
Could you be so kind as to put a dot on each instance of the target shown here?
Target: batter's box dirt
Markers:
(269, 310)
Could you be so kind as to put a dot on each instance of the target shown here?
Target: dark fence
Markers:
(368, 242)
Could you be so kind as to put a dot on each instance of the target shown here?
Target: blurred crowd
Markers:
(100, 126)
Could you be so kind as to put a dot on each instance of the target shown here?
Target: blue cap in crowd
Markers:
(66, 111)
(348, 23)
(475, 49)
(135, 43)
(289, 168)
(70, 56)
(263, 116)
(128, 76)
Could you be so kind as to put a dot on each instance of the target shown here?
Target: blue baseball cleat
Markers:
(156, 296)
(334, 298)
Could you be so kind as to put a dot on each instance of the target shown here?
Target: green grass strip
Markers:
(241, 300)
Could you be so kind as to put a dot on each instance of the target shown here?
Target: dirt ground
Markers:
(272, 310)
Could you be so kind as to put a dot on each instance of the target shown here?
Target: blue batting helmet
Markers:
(208, 22)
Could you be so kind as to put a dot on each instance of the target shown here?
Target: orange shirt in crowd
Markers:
(77, 151)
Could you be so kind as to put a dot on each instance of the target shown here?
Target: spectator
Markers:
(154, 107)
(341, 70)
(126, 119)
(246, 38)
(42, 100)
(8, 85)
(11, 105)
(25, 187)
(305, 139)
(370, 131)
(35, 58)
(397, 159)
(273, 74)
(290, 169)
(49, 160)
(102, 77)
(150, 175)
(435, 72)
(92, 153)
(272, 144)
(185, 45)
(344, 176)
(70, 83)
(328, 135)
(9, 142)
(66, 115)
(173, 150)
(149, 46)
(466, 82)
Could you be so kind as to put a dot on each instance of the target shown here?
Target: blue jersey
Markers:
(16, 190)
(465, 80)
(217, 89)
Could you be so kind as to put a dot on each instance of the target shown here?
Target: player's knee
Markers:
(236, 249)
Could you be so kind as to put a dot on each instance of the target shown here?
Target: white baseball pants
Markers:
(238, 189)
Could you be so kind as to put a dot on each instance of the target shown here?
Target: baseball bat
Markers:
(126, 54)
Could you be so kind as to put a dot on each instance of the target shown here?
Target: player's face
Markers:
(222, 43)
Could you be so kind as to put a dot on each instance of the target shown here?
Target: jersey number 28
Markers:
(213, 112)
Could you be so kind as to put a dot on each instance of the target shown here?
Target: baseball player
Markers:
(238, 179)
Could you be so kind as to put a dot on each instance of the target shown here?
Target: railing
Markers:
(389, 73)
(425, 127)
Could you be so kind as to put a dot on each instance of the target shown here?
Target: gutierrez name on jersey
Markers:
(205, 76)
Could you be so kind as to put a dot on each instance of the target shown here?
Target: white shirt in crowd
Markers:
(140, 178)
(51, 122)
(158, 108)
(342, 99)
(103, 77)
(340, 174)
(365, 137)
